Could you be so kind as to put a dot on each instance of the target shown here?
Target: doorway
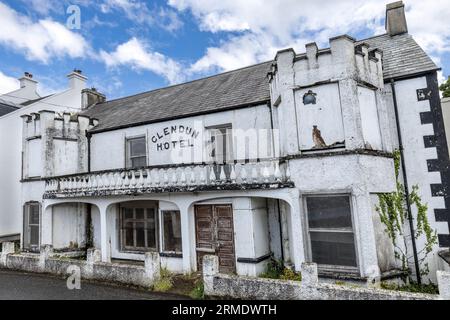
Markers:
(215, 235)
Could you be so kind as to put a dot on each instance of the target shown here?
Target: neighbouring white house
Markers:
(282, 159)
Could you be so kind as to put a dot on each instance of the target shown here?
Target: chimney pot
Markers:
(396, 19)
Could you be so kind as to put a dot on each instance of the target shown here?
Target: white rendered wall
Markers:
(11, 159)
(369, 118)
(326, 114)
(108, 148)
(416, 155)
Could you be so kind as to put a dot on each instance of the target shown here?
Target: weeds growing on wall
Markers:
(276, 270)
(165, 281)
(394, 214)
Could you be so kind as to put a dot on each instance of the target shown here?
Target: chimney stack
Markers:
(90, 97)
(396, 19)
(77, 80)
(27, 82)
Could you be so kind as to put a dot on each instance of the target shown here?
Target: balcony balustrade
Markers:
(260, 175)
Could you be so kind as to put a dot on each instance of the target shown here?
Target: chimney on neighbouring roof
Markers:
(89, 97)
(77, 80)
(27, 82)
(396, 19)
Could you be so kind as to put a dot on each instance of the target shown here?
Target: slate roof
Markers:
(6, 107)
(27, 103)
(247, 86)
(402, 56)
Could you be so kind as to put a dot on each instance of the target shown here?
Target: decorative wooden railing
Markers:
(268, 173)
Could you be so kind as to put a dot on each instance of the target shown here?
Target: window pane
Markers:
(333, 248)
(140, 234)
(34, 235)
(34, 214)
(151, 228)
(137, 147)
(139, 162)
(129, 234)
(140, 214)
(172, 231)
(329, 212)
(127, 213)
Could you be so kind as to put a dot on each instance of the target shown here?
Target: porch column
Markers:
(104, 241)
(186, 238)
(297, 240)
(47, 226)
(365, 235)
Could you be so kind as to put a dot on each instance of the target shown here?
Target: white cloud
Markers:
(42, 40)
(258, 27)
(138, 55)
(8, 84)
(139, 12)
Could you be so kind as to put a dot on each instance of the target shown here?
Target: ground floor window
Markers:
(140, 226)
(32, 223)
(139, 229)
(171, 229)
(330, 231)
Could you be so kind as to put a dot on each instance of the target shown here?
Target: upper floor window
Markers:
(136, 152)
(220, 143)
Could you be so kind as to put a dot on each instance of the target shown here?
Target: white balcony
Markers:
(185, 178)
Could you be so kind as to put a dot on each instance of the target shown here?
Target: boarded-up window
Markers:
(319, 117)
(369, 118)
(171, 227)
(331, 231)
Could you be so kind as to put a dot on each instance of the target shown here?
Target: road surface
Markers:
(26, 286)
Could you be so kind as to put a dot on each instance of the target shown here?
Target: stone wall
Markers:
(91, 268)
(230, 286)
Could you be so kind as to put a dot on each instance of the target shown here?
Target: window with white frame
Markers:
(330, 228)
(171, 231)
(220, 139)
(136, 152)
(139, 229)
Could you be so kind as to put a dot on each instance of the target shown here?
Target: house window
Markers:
(220, 144)
(171, 229)
(139, 229)
(331, 235)
(136, 152)
(32, 226)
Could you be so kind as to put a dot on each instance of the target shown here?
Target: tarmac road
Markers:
(26, 286)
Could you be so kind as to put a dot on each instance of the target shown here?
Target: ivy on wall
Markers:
(393, 213)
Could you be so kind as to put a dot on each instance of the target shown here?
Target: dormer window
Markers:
(136, 152)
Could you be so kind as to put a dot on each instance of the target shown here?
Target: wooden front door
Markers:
(215, 235)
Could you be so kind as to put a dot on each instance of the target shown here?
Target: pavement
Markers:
(26, 286)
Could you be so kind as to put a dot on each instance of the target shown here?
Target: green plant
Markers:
(429, 288)
(445, 88)
(165, 281)
(276, 270)
(198, 292)
(393, 212)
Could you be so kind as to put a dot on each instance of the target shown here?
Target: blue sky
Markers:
(130, 46)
